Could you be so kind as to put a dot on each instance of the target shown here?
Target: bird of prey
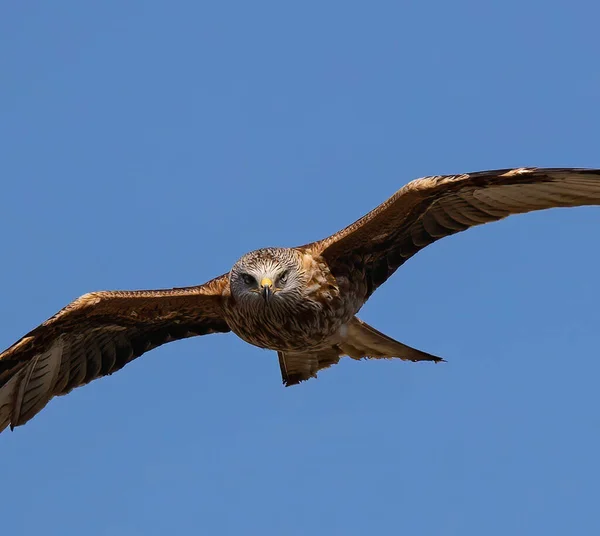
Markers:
(301, 302)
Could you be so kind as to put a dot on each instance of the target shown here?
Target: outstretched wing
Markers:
(431, 208)
(98, 334)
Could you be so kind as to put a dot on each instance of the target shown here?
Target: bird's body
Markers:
(301, 302)
(310, 318)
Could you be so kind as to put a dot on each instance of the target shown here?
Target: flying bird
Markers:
(300, 302)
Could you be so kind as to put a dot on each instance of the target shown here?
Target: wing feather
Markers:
(431, 208)
(96, 335)
(38, 379)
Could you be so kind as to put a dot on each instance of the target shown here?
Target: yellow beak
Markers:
(266, 288)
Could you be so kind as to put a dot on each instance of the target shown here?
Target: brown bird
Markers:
(299, 301)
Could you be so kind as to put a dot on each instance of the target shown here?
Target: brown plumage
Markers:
(300, 301)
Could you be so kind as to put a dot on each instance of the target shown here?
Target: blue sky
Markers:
(150, 144)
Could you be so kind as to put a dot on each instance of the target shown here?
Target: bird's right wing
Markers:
(98, 334)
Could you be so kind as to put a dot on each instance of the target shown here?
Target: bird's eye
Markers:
(248, 279)
(283, 277)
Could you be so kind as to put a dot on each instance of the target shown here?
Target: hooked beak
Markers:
(266, 289)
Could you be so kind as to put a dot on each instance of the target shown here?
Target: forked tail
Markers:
(359, 341)
(363, 340)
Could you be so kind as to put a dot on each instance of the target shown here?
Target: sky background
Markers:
(150, 144)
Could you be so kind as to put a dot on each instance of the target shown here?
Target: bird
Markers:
(300, 302)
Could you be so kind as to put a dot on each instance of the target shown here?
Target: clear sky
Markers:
(150, 144)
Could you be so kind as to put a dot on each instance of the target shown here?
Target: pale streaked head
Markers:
(266, 276)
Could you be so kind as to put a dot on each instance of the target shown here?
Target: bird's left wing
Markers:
(96, 335)
(431, 208)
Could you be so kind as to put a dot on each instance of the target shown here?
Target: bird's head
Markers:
(266, 276)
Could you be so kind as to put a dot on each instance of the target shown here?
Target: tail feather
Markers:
(358, 341)
(362, 340)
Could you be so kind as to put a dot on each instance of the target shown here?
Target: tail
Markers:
(362, 340)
